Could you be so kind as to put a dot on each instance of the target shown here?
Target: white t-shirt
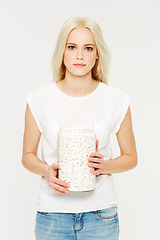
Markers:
(105, 107)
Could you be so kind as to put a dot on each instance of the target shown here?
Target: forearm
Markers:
(120, 164)
(31, 162)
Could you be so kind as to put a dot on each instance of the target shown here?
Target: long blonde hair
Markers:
(100, 71)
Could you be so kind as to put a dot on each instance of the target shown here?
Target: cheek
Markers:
(67, 56)
(92, 58)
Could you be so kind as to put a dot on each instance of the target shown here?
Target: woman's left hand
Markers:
(96, 160)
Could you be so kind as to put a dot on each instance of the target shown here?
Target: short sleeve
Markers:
(34, 104)
(121, 109)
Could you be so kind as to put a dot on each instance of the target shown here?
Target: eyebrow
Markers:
(84, 44)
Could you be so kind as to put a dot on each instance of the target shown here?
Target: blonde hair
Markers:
(100, 70)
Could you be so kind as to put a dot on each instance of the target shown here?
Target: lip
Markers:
(79, 65)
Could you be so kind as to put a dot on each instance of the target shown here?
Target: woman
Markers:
(79, 94)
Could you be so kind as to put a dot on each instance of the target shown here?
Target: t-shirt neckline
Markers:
(77, 98)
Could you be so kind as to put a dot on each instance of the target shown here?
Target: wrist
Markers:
(106, 167)
(45, 170)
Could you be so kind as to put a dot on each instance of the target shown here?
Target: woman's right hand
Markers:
(56, 184)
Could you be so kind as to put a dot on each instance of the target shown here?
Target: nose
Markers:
(80, 58)
(79, 55)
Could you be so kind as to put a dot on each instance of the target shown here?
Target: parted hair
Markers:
(100, 71)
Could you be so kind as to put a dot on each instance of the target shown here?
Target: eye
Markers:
(71, 47)
(90, 48)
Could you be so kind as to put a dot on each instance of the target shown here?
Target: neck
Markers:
(79, 85)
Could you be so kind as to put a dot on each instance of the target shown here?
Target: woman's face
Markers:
(80, 49)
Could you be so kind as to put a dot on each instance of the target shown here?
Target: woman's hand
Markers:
(56, 184)
(96, 160)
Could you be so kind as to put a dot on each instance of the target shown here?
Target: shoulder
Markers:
(42, 91)
(42, 94)
(111, 93)
(42, 97)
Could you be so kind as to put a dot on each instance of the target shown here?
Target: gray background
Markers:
(29, 31)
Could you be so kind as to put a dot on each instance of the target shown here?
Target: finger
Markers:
(96, 145)
(91, 159)
(61, 182)
(97, 172)
(57, 191)
(96, 154)
(95, 165)
(59, 188)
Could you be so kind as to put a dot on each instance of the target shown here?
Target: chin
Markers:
(79, 73)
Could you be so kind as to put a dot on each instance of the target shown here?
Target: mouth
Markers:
(79, 65)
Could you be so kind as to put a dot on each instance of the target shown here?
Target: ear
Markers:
(97, 55)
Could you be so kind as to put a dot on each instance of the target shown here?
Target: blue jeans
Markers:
(100, 224)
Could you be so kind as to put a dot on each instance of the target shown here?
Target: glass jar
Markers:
(75, 144)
